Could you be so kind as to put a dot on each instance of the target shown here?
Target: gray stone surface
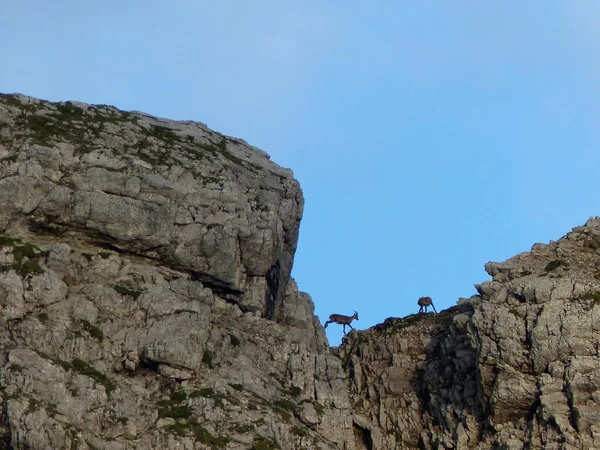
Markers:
(176, 192)
(516, 366)
(145, 291)
(146, 303)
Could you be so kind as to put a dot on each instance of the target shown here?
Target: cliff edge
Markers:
(145, 290)
(516, 366)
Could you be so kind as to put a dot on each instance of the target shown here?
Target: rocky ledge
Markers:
(516, 366)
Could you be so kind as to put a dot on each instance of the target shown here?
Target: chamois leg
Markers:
(433, 308)
(327, 323)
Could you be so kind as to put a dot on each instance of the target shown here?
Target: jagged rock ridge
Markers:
(516, 366)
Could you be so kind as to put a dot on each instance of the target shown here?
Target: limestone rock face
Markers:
(173, 192)
(516, 366)
(146, 303)
(145, 291)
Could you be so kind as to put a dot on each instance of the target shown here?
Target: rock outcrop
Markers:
(145, 291)
(146, 303)
(516, 366)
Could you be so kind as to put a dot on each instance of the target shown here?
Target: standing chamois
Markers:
(342, 320)
(424, 303)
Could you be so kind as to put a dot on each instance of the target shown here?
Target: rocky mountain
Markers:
(146, 303)
(146, 293)
(514, 367)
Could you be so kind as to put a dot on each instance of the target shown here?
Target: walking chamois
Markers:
(342, 320)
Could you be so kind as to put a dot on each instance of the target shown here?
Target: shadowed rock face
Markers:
(145, 290)
(516, 366)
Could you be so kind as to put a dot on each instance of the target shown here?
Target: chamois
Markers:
(342, 320)
(424, 303)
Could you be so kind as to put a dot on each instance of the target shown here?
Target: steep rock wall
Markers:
(176, 192)
(145, 291)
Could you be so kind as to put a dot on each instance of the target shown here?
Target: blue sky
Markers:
(429, 138)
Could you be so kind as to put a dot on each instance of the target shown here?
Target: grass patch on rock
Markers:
(235, 341)
(164, 134)
(43, 317)
(294, 391)
(94, 331)
(168, 408)
(173, 407)
(553, 265)
(218, 397)
(285, 404)
(126, 290)
(320, 409)
(26, 256)
(284, 407)
(591, 299)
(86, 369)
(201, 434)
(207, 358)
(187, 424)
(262, 443)
(299, 431)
